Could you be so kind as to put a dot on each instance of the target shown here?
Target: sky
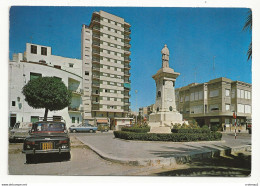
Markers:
(196, 38)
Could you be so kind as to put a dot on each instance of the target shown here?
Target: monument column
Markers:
(165, 113)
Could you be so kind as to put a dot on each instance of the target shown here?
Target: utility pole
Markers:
(136, 106)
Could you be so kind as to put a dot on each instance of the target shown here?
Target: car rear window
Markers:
(48, 127)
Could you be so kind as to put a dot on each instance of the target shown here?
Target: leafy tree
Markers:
(248, 26)
(47, 92)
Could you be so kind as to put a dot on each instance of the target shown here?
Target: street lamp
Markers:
(136, 106)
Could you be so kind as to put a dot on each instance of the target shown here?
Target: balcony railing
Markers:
(96, 60)
(127, 37)
(127, 74)
(95, 84)
(127, 66)
(127, 30)
(75, 109)
(96, 28)
(127, 59)
(96, 44)
(95, 102)
(96, 68)
(96, 77)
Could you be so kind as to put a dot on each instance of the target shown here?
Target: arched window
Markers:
(157, 109)
(159, 94)
(170, 108)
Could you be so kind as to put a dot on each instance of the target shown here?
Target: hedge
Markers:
(174, 137)
(198, 130)
(136, 129)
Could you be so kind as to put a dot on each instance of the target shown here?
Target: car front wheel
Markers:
(74, 131)
(29, 158)
(91, 131)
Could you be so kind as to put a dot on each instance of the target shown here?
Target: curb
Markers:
(173, 161)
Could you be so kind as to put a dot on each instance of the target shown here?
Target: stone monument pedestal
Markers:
(165, 114)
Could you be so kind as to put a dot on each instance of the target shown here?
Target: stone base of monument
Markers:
(161, 122)
(160, 130)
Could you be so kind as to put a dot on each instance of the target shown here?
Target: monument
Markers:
(165, 114)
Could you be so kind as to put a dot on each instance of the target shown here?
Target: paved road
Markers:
(124, 150)
(83, 162)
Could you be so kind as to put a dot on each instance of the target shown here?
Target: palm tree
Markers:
(248, 26)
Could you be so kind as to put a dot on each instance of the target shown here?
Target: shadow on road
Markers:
(238, 165)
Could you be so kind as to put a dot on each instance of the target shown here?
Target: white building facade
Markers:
(37, 61)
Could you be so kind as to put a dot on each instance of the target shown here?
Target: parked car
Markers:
(103, 127)
(20, 131)
(47, 137)
(83, 128)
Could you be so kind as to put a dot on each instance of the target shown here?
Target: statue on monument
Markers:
(165, 57)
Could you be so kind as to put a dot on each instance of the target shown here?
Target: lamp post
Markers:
(136, 106)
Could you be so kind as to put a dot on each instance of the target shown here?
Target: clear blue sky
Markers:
(193, 36)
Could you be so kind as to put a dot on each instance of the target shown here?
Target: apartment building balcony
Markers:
(126, 96)
(127, 31)
(94, 102)
(94, 93)
(75, 109)
(96, 77)
(127, 66)
(127, 85)
(127, 74)
(127, 52)
(128, 38)
(96, 28)
(96, 60)
(96, 53)
(127, 25)
(96, 85)
(97, 69)
(127, 81)
(96, 44)
(127, 45)
(127, 59)
(127, 103)
(76, 92)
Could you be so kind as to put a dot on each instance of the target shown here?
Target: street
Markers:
(85, 162)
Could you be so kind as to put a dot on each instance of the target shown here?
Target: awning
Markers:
(102, 121)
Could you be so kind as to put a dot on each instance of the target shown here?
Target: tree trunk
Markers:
(45, 114)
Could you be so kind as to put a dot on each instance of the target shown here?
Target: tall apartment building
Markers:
(214, 102)
(105, 69)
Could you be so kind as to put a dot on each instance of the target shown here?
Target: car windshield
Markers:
(48, 127)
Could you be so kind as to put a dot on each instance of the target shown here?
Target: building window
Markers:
(57, 66)
(34, 119)
(44, 51)
(73, 119)
(157, 109)
(35, 75)
(86, 73)
(13, 103)
(241, 108)
(227, 92)
(170, 108)
(214, 107)
(214, 93)
(33, 49)
(159, 94)
(71, 65)
(227, 107)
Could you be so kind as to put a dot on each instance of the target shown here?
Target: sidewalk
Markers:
(162, 153)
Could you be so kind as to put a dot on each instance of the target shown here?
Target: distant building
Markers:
(146, 111)
(214, 102)
(38, 61)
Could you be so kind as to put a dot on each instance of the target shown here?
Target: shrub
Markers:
(191, 130)
(174, 137)
(141, 129)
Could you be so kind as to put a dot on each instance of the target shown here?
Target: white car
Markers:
(20, 131)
